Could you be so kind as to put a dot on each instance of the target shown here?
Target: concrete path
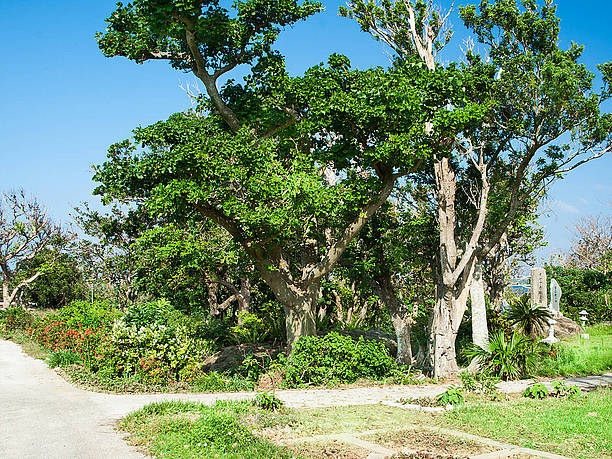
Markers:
(43, 416)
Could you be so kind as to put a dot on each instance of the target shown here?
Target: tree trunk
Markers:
(400, 318)
(244, 295)
(300, 320)
(441, 359)
(5, 295)
(213, 302)
(402, 325)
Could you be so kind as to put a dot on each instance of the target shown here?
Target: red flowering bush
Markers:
(15, 319)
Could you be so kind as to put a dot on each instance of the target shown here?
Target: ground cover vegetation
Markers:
(572, 426)
(152, 346)
(368, 202)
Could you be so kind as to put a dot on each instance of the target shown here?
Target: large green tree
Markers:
(291, 168)
(542, 120)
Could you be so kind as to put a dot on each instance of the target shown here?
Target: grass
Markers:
(190, 430)
(212, 382)
(580, 356)
(572, 427)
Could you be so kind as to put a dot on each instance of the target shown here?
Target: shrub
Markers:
(507, 359)
(143, 315)
(583, 289)
(537, 391)
(336, 358)
(528, 316)
(91, 315)
(63, 358)
(154, 351)
(452, 396)
(12, 319)
(251, 329)
(267, 401)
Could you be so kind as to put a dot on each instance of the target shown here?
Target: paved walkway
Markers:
(43, 416)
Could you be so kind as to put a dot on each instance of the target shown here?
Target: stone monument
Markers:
(539, 288)
(555, 298)
(480, 335)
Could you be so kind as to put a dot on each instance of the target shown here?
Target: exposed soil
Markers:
(430, 442)
(331, 448)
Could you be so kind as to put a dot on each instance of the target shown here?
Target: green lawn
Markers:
(579, 356)
(576, 427)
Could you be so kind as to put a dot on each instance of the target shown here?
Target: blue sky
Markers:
(63, 103)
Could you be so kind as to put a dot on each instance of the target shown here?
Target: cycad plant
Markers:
(506, 358)
(528, 316)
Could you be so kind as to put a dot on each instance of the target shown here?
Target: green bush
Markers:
(267, 401)
(452, 396)
(583, 289)
(143, 315)
(250, 330)
(505, 358)
(154, 351)
(336, 358)
(537, 391)
(91, 315)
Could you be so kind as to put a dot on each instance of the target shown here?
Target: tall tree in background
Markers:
(257, 160)
(535, 94)
(26, 232)
(192, 266)
(592, 245)
(107, 254)
(61, 283)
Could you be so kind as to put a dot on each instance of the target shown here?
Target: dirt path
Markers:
(43, 416)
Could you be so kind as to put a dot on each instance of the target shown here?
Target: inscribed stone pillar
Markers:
(555, 297)
(539, 288)
(480, 334)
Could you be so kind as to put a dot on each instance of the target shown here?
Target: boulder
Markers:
(564, 328)
(231, 357)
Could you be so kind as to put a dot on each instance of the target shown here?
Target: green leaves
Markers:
(160, 29)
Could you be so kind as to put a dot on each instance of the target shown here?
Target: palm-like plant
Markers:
(506, 358)
(528, 316)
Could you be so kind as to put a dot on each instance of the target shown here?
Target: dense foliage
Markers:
(506, 358)
(334, 358)
(584, 289)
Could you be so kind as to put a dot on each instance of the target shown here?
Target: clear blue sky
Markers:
(63, 103)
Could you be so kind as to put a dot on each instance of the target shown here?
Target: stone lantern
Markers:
(551, 338)
(583, 318)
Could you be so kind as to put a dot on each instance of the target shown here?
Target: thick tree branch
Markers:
(209, 80)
